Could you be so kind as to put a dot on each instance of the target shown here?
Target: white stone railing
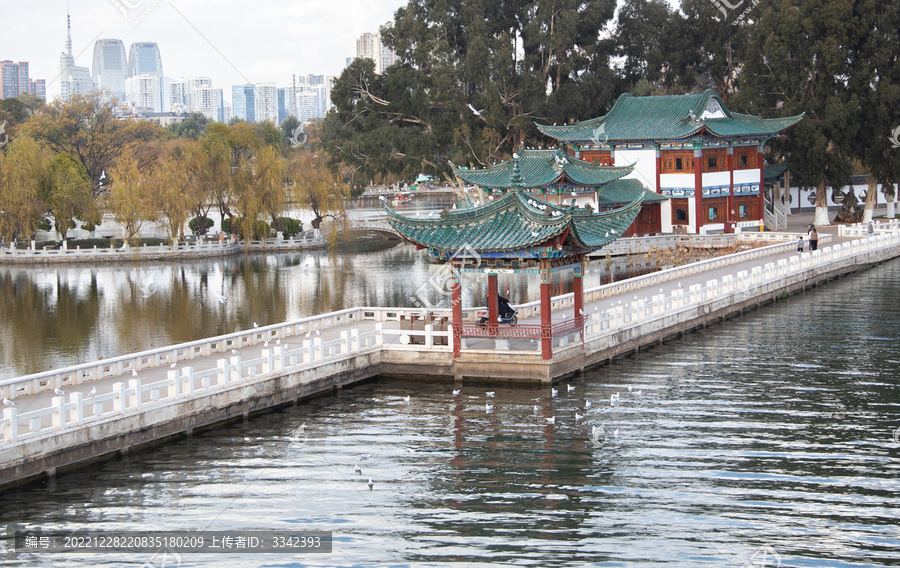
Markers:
(862, 229)
(313, 351)
(130, 253)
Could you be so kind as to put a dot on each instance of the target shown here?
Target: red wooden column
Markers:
(698, 186)
(658, 168)
(456, 324)
(729, 161)
(578, 292)
(759, 164)
(492, 304)
(546, 318)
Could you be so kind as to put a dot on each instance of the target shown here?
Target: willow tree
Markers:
(68, 195)
(210, 173)
(86, 126)
(314, 185)
(260, 191)
(130, 196)
(22, 180)
(169, 188)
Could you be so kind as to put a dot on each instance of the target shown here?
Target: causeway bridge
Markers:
(62, 419)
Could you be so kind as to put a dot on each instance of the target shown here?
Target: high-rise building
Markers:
(142, 92)
(227, 113)
(369, 46)
(73, 79)
(39, 88)
(144, 59)
(267, 103)
(243, 102)
(10, 79)
(110, 67)
(207, 100)
(177, 97)
(284, 100)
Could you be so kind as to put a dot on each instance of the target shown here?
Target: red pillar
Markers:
(698, 186)
(729, 160)
(579, 296)
(759, 164)
(546, 318)
(658, 168)
(492, 304)
(457, 311)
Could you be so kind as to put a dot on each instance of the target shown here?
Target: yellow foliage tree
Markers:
(130, 196)
(22, 180)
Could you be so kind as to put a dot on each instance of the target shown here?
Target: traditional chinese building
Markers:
(691, 148)
(554, 176)
(515, 232)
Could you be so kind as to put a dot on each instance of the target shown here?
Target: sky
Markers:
(232, 42)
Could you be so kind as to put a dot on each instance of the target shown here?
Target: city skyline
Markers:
(198, 39)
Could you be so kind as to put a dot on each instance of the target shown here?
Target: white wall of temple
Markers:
(714, 179)
(676, 181)
(644, 161)
(746, 176)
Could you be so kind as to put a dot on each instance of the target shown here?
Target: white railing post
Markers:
(318, 352)
(119, 403)
(59, 414)
(235, 368)
(222, 374)
(429, 337)
(345, 343)
(135, 385)
(11, 432)
(307, 352)
(354, 341)
(379, 334)
(174, 391)
(267, 361)
(187, 374)
(77, 412)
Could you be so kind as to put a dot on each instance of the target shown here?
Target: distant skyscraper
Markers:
(243, 102)
(176, 96)
(208, 101)
(142, 92)
(110, 68)
(227, 113)
(284, 98)
(39, 88)
(73, 80)
(369, 46)
(144, 59)
(267, 103)
(11, 79)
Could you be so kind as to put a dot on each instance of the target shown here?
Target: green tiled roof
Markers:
(668, 117)
(624, 191)
(541, 168)
(772, 171)
(516, 222)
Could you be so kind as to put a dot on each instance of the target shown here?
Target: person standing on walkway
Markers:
(813, 239)
(870, 230)
(800, 244)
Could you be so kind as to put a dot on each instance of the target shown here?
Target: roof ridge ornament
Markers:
(516, 182)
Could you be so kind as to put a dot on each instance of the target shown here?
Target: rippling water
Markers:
(775, 429)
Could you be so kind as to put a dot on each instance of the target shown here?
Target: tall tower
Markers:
(74, 80)
(144, 59)
(110, 66)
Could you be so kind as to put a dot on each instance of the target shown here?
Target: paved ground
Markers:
(796, 223)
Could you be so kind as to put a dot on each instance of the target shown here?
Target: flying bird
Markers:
(476, 112)
(219, 297)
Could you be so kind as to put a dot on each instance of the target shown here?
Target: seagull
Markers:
(219, 297)
(134, 372)
(679, 285)
(490, 394)
(455, 392)
(536, 409)
(569, 388)
(406, 398)
(551, 420)
(578, 417)
(235, 352)
(371, 484)
(173, 365)
(454, 206)
(488, 408)
(534, 233)
(381, 197)
(553, 393)
(477, 112)
(565, 317)
(357, 470)
(612, 400)
(661, 291)
(266, 344)
(278, 342)
(582, 312)
(613, 231)
(60, 392)
(639, 393)
(515, 155)
(629, 388)
(12, 404)
(92, 392)
(574, 194)
(102, 175)
(616, 433)
(596, 432)
(318, 332)
(587, 405)
(255, 325)
(307, 334)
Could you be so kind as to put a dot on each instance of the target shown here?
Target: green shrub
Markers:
(200, 225)
(288, 226)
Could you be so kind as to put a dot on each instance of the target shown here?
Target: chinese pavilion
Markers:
(691, 148)
(517, 233)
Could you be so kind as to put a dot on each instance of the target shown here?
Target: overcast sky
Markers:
(230, 41)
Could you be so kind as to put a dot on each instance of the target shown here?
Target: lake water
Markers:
(770, 438)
